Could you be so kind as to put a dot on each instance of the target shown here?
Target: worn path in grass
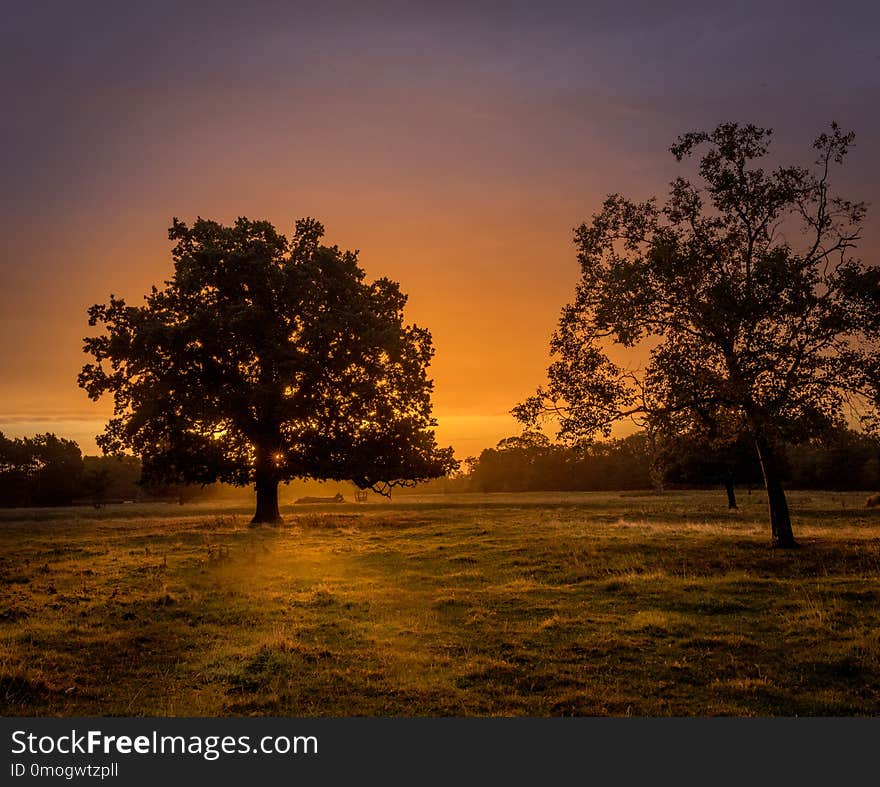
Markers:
(550, 604)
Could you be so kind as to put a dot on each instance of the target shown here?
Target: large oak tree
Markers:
(744, 291)
(264, 359)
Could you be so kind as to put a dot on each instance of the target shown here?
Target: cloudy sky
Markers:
(455, 145)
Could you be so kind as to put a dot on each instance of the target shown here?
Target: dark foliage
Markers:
(265, 359)
(530, 463)
(845, 460)
(43, 470)
(758, 319)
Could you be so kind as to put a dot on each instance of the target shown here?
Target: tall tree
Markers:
(39, 470)
(265, 359)
(746, 295)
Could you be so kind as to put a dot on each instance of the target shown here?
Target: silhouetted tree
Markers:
(39, 470)
(59, 470)
(16, 469)
(265, 359)
(746, 293)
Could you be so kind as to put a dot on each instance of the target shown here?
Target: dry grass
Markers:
(584, 604)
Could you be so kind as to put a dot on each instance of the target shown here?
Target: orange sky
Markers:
(489, 296)
(456, 151)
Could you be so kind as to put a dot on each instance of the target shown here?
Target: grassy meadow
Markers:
(493, 605)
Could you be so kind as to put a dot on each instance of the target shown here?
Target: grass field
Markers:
(528, 604)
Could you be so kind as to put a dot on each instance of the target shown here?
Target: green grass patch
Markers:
(555, 604)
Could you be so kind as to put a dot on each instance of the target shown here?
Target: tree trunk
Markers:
(780, 520)
(267, 504)
(731, 492)
(267, 493)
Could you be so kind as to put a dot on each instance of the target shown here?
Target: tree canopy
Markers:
(743, 290)
(39, 470)
(265, 359)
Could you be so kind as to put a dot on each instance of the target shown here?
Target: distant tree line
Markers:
(530, 462)
(847, 460)
(46, 470)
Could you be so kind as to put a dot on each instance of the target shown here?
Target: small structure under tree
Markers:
(265, 359)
